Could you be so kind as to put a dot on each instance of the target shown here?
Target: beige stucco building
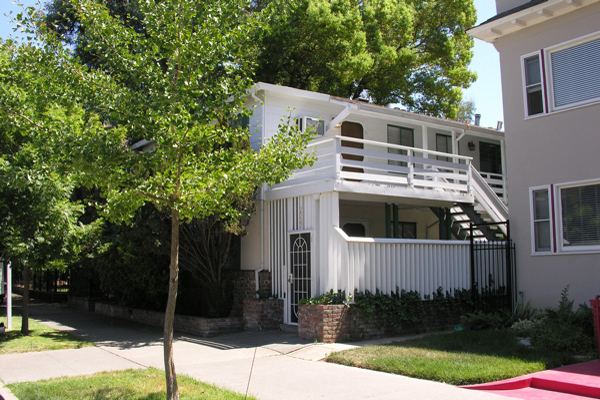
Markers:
(550, 63)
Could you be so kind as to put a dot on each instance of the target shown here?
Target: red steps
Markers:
(578, 381)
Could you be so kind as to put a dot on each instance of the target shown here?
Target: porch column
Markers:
(425, 140)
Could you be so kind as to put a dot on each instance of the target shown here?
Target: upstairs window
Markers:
(533, 85)
(575, 74)
(562, 76)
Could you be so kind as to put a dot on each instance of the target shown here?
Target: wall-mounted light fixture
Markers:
(471, 145)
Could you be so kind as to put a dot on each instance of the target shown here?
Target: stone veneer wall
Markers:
(338, 323)
(199, 326)
(262, 314)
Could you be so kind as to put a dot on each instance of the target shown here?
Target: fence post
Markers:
(509, 268)
(472, 251)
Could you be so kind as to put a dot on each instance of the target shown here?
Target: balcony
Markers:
(354, 165)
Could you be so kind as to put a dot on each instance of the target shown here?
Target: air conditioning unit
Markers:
(317, 125)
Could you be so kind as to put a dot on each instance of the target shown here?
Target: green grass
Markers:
(458, 358)
(40, 338)
(146, 384)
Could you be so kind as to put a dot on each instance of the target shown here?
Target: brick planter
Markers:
(339, 323)
(336, 323)
(262, 314)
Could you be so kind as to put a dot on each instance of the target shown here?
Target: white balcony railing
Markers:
(351, 159)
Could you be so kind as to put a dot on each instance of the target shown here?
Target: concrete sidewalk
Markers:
(270, 365)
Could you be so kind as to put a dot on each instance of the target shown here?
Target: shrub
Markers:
(479, 321)
(564, 329)
(330, 297)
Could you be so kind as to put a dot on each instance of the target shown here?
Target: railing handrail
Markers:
(489, 196)
(401, 147)
(354, 239)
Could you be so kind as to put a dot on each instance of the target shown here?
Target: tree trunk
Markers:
(171, 377)
(25, 309)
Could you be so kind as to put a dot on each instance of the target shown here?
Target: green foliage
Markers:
(414, 53)
(398, 309)
(330, 297)
(564, 329)
(480, 321)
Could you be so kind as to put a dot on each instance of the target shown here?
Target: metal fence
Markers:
(493, 271)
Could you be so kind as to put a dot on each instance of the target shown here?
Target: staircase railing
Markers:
(489, 200)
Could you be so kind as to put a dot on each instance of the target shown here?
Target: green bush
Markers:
(330, 297)
(479, 321)
(564, 329)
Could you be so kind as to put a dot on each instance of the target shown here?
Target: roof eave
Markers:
(512, 23)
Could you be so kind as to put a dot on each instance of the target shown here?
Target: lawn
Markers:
(458, 358)
(40, 338)
(146, 384)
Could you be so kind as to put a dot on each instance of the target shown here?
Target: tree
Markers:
(39, 227)
(179, 81)
(466, 111)
(410, 52)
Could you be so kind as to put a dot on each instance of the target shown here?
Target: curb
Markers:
(5, 393)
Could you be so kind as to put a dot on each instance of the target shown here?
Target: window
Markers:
(579, 212)
(533, 85)
(571, 77)
(406, 230)
(575, 74)
(541, 230)
(576, 209)
(401, 136)
(443, 143)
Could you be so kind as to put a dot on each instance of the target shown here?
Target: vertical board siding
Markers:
(386, 265)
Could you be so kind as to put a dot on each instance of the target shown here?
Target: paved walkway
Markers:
(270, 365)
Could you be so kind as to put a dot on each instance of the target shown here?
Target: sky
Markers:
(485, 92)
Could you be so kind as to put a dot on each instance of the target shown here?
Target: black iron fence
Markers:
(43, 281)
(493, 272)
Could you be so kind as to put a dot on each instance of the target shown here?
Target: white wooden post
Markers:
(469, 178)
(337, 154)
(503, 159)
(411, 168)
(8, 295)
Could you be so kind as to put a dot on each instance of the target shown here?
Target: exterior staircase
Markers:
(488, 208)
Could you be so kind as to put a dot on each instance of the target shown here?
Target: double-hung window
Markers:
(541, 219)
(563, 76)
(576, 209)
(534, 93)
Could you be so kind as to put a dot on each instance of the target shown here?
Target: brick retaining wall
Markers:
(339, 323)
(262, 314)
(204, 327)
(244, 287)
